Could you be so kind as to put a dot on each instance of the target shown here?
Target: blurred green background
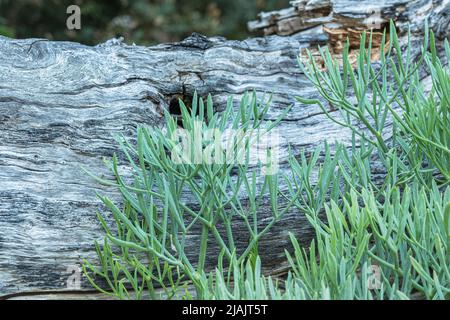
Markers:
(141, 21)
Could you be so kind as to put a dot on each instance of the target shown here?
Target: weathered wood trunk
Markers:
(62, 102)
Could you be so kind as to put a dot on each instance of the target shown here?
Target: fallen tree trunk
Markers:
(62, 102)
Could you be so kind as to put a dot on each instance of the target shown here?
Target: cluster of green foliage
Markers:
(140, 21)
(398, 223)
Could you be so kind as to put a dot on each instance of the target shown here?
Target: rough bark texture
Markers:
(62, 102)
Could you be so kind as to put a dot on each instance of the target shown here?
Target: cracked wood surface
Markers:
(61, 104)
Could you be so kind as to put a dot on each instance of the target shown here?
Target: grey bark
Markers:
(62, 102)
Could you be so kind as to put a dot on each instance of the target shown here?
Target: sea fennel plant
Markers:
(394, 230)
(398, 239)
(189, 181)
(373, 93)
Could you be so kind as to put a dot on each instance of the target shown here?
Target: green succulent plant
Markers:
(376, 237)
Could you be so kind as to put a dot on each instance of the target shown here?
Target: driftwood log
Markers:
(62, 102)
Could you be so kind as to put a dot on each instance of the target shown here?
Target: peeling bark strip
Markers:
(355, 15)
(62, 102)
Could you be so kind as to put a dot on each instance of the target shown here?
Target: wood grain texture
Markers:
(351, 14)
(61, 103)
